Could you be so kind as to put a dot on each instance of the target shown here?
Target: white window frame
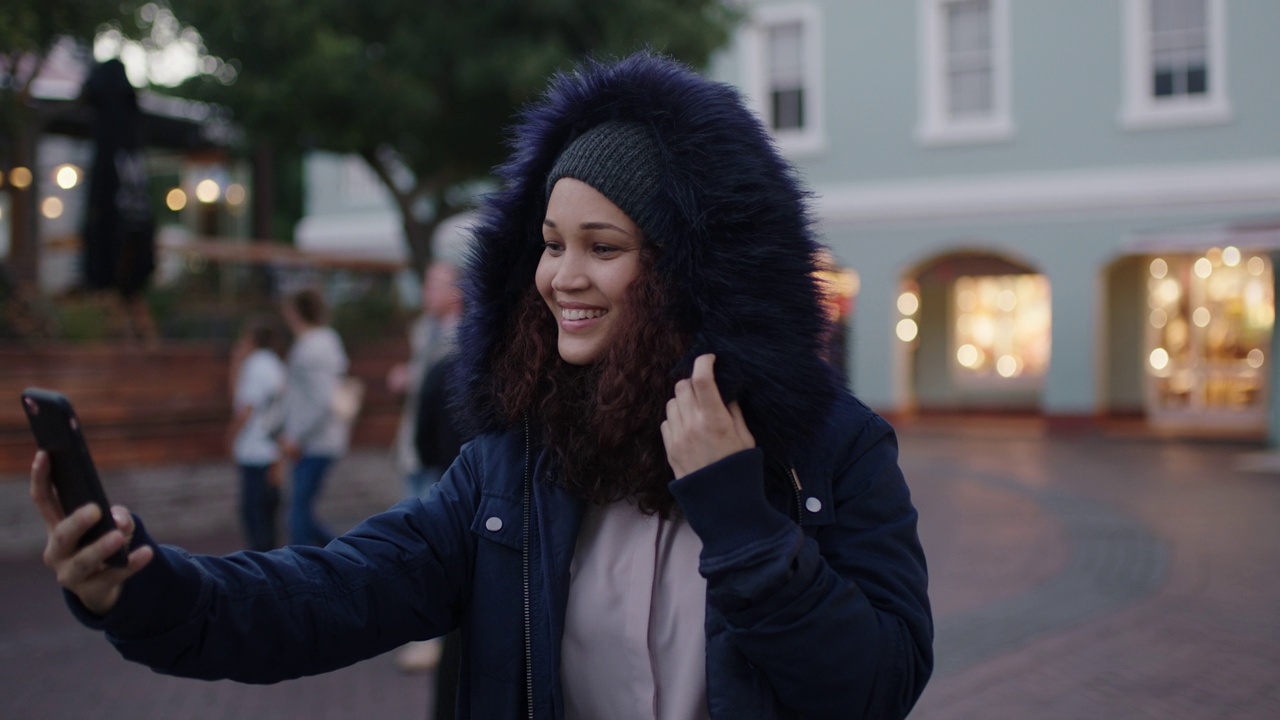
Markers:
(810, 139)
(936, 126)
(1142, 109)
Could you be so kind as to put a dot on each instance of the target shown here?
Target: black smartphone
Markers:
(57, 430)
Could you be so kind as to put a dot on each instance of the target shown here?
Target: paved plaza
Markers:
(1073, 576)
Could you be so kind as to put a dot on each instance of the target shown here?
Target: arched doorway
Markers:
(974, 329)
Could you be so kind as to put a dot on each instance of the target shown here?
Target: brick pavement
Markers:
(1072, 577)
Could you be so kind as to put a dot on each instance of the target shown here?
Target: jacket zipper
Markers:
(795, 484)
(528, 625)
(796, 488)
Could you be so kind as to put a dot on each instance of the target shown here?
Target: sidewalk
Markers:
(1072, 576)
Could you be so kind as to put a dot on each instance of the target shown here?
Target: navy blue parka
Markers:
(817, 600)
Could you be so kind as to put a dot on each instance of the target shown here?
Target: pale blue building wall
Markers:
(1065, 193)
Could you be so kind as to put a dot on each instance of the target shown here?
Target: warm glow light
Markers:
(207, 191)
(1231, 256)
(1254, 358)
(907, 330)
(967, 355)
(51, 208)
(1006, 300)
(1, 178)
(1159, 268)
(235, 194)
(1204, 268)
(1256, 265)
(176, 199)
(1159, 318)
(1007, 366)
(66, 176)
(908, 302)
(20, 177)
(966, 301)
(1167, 292)
(1159, 359)
(1201, 317)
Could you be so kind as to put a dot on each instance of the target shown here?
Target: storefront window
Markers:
(1001, 326)
(1209, 331)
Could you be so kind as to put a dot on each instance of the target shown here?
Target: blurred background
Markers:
(1051, 226)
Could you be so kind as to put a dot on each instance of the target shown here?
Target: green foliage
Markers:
(425, 86)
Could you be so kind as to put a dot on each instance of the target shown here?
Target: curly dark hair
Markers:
(602, 422)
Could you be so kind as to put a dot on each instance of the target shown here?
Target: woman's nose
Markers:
(570, 273)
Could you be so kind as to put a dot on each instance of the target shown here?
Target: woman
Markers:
(258, 379)
(314, 437)
(672, 510)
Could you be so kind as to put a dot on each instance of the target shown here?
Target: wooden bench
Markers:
(167, 405)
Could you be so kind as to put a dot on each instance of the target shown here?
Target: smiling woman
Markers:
(670, 498)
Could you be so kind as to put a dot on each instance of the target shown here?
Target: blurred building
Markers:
(1058, 206)
(199, 189)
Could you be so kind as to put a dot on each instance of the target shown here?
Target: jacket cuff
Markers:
(725, 504)
(152, 600)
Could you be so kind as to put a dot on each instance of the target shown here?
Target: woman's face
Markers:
(590, 258)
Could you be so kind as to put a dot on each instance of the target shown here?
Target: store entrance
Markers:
(1208, 338)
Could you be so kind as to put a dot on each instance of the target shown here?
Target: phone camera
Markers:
(32, 407)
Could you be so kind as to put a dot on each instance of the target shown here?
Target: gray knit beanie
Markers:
(620, 159)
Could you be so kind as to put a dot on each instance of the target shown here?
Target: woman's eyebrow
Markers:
(590, 225)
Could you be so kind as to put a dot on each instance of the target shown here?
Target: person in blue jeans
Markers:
(313, 436)
(258, 389)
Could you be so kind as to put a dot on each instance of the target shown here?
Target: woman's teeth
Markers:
(567, 314)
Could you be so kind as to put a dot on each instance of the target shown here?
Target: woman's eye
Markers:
(605, 249)
(551, 246)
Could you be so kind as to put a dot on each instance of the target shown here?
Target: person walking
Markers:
(258, 389)
(314, 436)
(430, 339)
(672, 508)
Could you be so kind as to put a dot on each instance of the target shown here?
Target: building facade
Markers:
(1061, 207)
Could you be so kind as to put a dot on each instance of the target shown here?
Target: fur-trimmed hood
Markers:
(736, 246)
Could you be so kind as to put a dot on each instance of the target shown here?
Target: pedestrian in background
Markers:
(673, 508)
(258, 384)
(426, 442)
(430, 339)
(313, 436)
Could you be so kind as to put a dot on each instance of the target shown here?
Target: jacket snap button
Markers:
(813, 504)
(493, 524)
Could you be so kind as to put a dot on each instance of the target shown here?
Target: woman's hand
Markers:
(84, 571)
(700, 429)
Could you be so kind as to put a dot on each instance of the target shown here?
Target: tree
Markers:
(29, 32)
(421, 90)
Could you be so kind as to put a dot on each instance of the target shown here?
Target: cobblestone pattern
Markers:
(1072, 577)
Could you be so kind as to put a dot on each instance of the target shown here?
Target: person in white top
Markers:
(258, 388)
(313, 436)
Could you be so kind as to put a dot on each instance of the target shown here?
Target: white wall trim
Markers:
(1141, 109)
(1199, 187)
(935, 127)
(811, 140)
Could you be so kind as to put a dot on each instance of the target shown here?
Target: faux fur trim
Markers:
(736, 244)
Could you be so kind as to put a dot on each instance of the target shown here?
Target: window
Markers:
(783, 74)
(1209, 334)
(786, 76)
(1001, 327)
(964, 64)
(1176, 63)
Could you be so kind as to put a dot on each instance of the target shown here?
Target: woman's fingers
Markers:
(703, 380)
(699, 428)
